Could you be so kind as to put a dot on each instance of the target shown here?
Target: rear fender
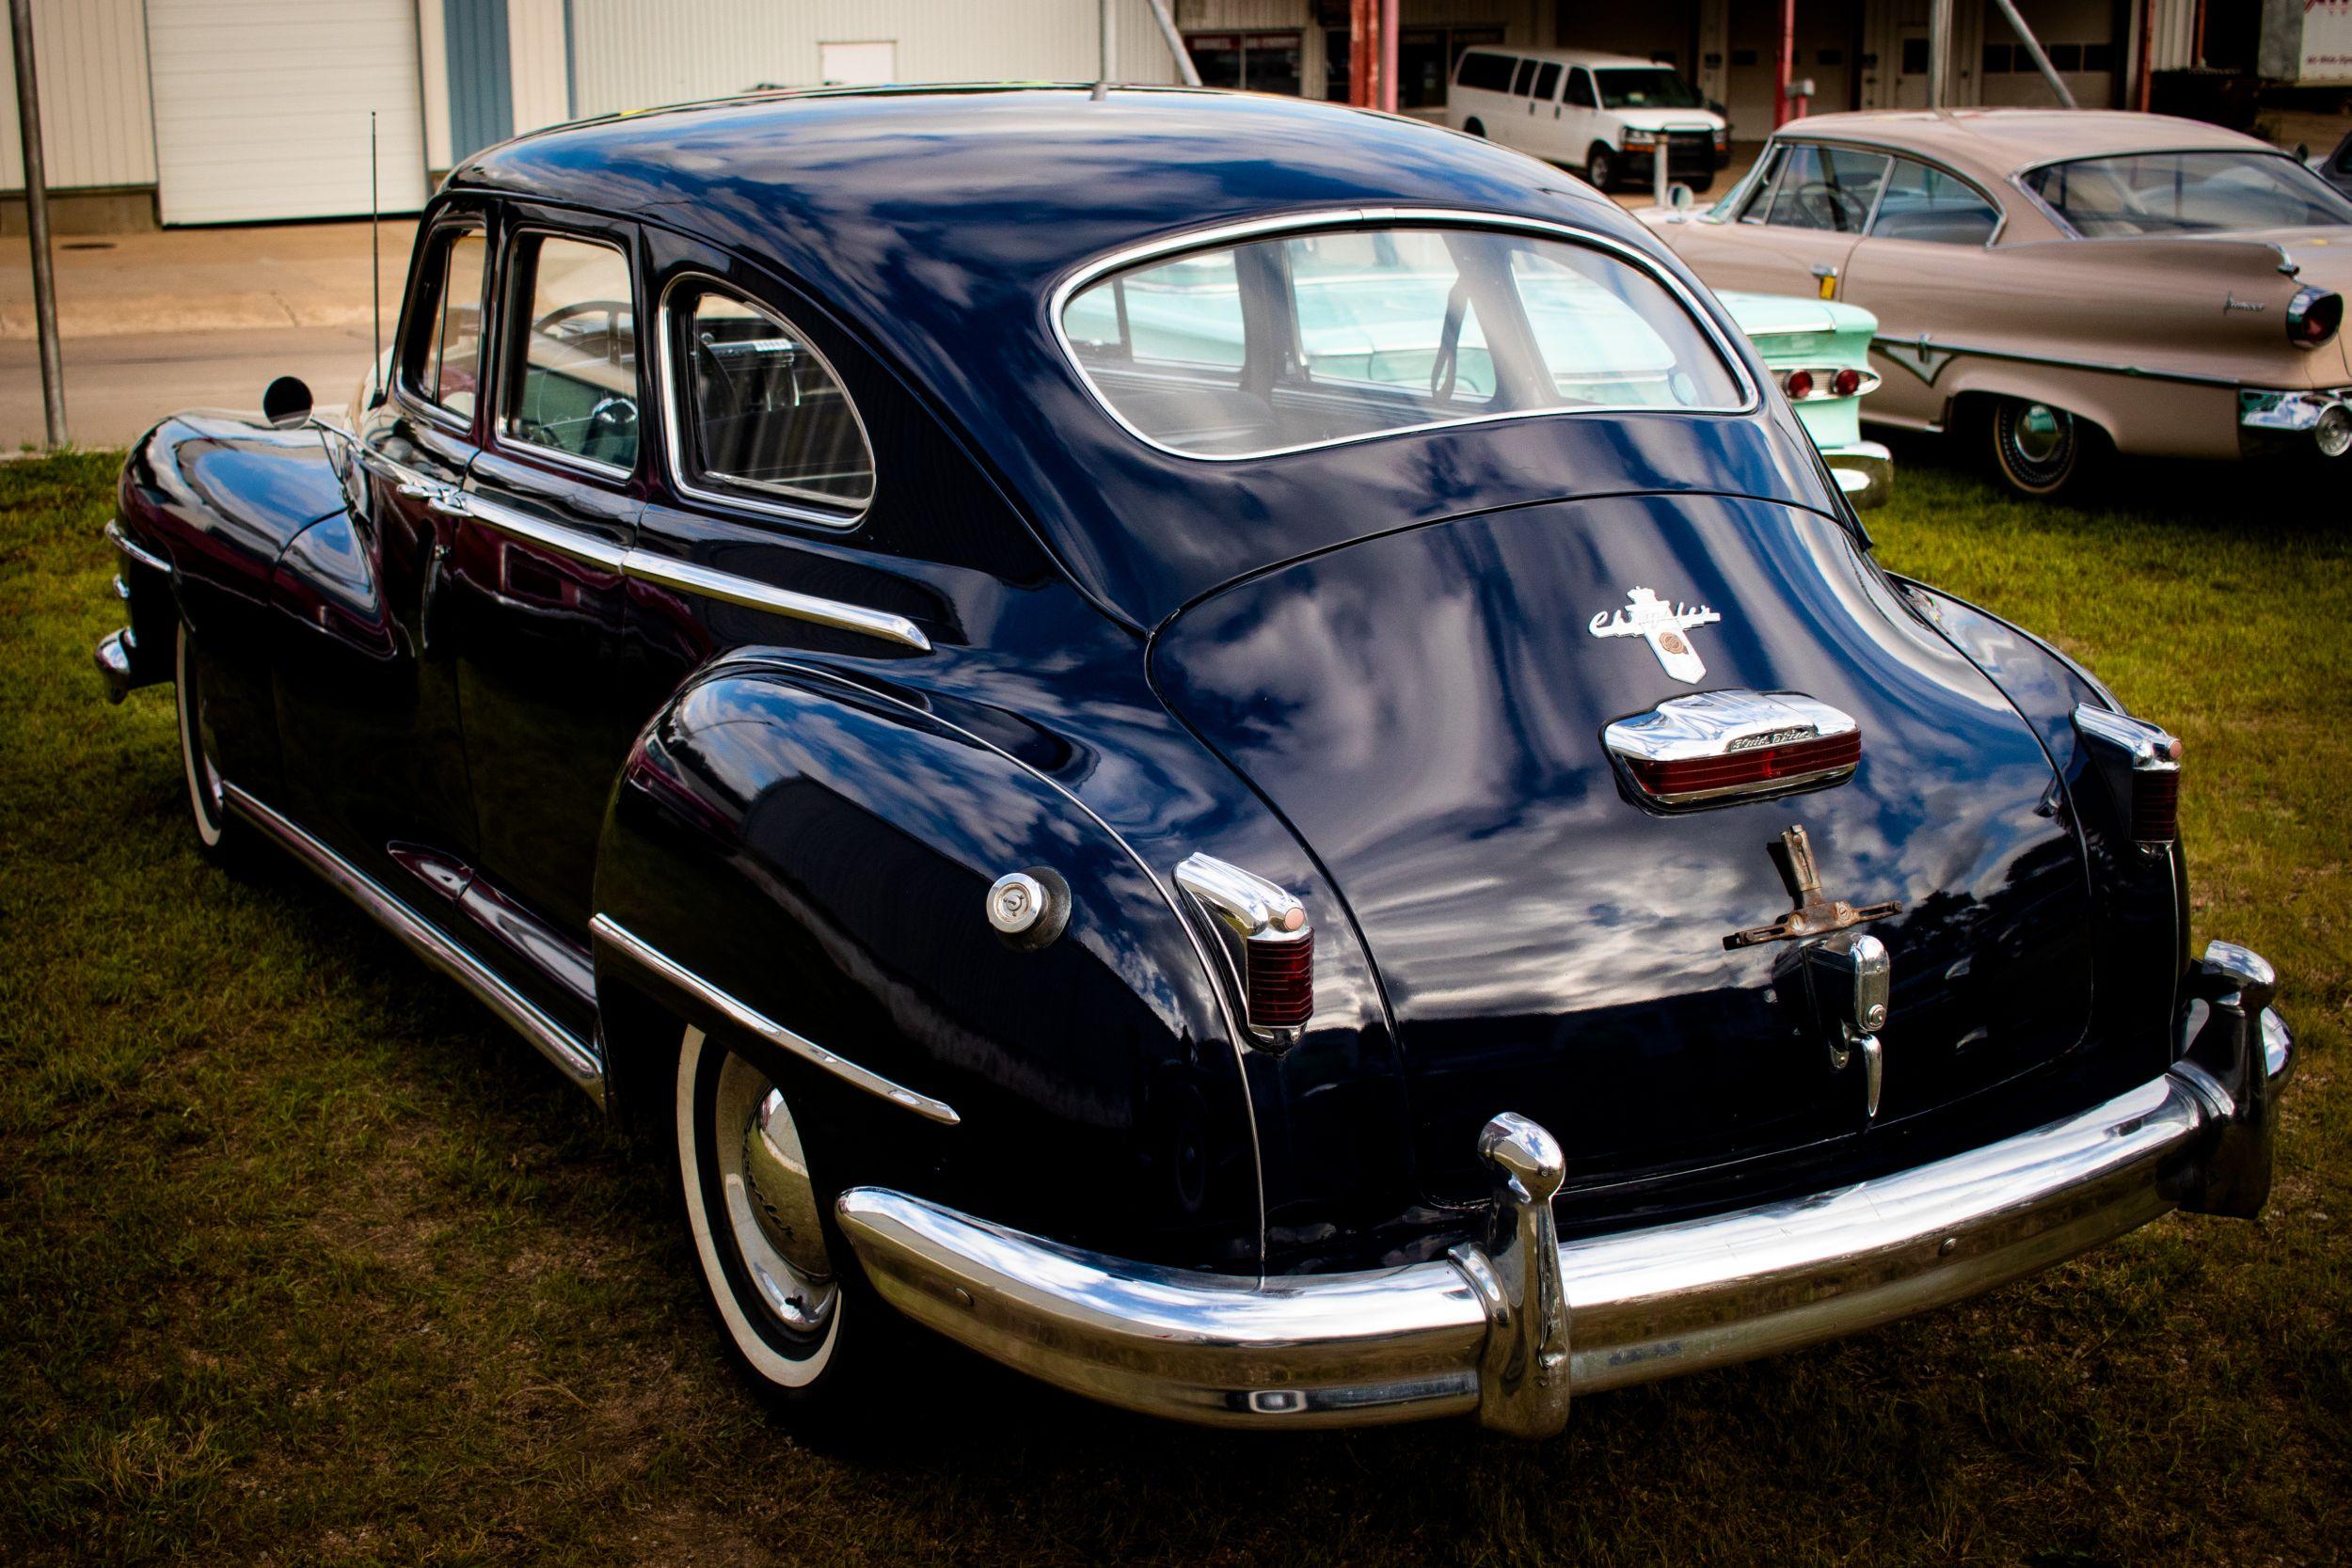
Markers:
(820, 854)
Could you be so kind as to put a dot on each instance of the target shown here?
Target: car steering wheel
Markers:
(547, 326)
(1829, 207)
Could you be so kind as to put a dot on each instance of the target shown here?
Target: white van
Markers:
(1604, 114)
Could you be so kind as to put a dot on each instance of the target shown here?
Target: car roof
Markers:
(937, 224)
(1569, 57)
(1994, 144)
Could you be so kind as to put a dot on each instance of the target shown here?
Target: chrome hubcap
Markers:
(772, 1207)
(2039, 434)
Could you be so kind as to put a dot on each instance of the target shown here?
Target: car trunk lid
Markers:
(1426, 708)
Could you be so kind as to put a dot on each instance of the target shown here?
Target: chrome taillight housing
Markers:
(1804, 382)
(1269, 946)
(1715, 747)
(2314, 316)
(2142, 765)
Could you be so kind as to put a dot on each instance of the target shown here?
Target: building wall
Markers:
(635, 54)
(97, 126)
(539, 66)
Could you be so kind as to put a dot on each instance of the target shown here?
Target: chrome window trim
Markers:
(1358, 217)
(496, 425)
(2000, 212)
(2017, 179)
(644, 955)
(402, 384)
(819, 512)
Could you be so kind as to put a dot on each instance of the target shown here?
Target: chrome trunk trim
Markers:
(575, 1058)
(618, 939)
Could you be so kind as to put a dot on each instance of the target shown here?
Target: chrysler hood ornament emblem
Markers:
(1648, 616)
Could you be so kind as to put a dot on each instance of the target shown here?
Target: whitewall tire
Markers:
(767, 1267)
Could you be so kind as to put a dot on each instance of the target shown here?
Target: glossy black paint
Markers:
(1381, 697)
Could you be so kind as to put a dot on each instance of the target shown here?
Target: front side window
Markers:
(1580, 90)
(1659, 86)
(573, 387)
(764, 418)
(1336, 335)
(1825, 188)
(1926, 204)
(2187, 193)
(447, 365)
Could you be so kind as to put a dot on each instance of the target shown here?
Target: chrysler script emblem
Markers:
(1646, 615)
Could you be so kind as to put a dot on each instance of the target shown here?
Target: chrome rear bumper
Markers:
(1513, 1328)
(1865, 471)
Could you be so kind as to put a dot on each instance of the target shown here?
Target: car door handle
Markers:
(449, 502)
(418, 489)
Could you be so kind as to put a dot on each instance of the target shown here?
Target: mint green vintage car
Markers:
(1387, 319)
(1820, 350)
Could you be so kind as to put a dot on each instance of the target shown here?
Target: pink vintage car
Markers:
(2059, 284)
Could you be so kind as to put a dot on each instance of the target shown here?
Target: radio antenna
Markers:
(376, 267)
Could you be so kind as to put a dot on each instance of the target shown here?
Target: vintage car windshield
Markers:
(1307, 339)
(1647, 87)
(2187, 193)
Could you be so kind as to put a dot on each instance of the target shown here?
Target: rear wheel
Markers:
(768, 1258)
(1701, 184)
(219, 836)
(2040, 449)
(1600, 167)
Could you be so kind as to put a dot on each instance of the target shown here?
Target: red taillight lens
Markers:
(1846, 383)
(2312, 317)
(1759, 767)
(1281, 980)
(2156, 804)
(1797, 385)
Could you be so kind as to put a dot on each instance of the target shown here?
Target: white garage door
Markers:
(262, 107)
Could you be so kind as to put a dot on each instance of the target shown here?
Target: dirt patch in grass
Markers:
(304, 1260)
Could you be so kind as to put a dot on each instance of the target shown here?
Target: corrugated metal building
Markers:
(215, 111)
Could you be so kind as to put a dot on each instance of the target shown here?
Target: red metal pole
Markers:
(1359, 44)
(2146, 55)
(1788, 67)
(1388, 55)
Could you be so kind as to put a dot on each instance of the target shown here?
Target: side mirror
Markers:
(286, 403)
(1678, 197)
(2302, 152)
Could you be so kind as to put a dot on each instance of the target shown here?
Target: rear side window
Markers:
(764, 417)
(1924, 203)
(1525, 79)
(1312, 339)
(1547, 81)
(574, 384)
(1491, 73)
(447, 365)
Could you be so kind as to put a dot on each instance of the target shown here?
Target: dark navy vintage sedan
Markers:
(1227, 749)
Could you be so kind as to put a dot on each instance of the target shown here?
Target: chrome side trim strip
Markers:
(573, 1057)
(620, 940)
(140, 553)
(644, 566)
(727, 588)
(1922, 342)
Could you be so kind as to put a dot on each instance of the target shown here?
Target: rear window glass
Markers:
(1312, 339)
(766, 418)
(2187, 193)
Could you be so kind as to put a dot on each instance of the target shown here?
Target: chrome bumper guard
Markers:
(1510, 1328)
(1865, 471)
(2325, 415)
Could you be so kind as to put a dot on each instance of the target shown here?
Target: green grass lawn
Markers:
(304, 1260)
